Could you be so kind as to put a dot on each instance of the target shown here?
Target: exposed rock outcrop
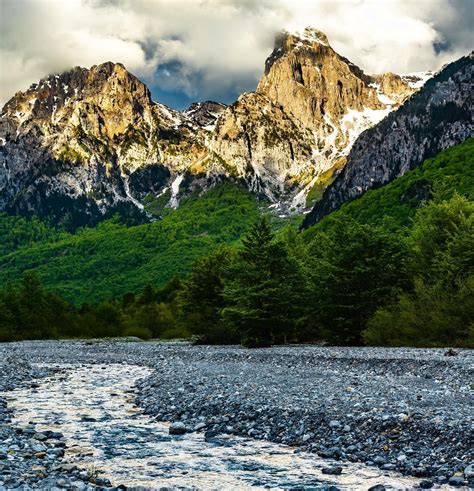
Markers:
(204, 114)
(84, 144)
(80, 146)
(304, 116)
(438, 117)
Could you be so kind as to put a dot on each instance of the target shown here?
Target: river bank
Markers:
(399, 410)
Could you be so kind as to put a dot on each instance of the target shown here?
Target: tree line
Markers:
(351, 283)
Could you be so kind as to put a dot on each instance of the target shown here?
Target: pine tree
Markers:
(201, 301)
(355, 269)
(264, 289)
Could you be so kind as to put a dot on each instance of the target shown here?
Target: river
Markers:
(108, 435)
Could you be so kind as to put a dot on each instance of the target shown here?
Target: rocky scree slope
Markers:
(80, 146)
(438, 117)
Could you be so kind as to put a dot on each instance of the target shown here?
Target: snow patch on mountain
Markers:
(355, 122)
(175, 185)
(416, 80)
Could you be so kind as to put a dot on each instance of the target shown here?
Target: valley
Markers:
(236, 245)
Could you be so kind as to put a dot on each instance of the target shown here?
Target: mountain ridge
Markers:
(81, 146)
(438, 117)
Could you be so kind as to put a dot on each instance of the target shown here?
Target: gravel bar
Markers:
(406, 410)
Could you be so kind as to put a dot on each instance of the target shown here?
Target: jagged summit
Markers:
(309, 35)
(435, 118)
(309, 107)
(106, 99)
(287, 41)
(89, 142)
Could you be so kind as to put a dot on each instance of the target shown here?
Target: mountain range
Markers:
(80, 146)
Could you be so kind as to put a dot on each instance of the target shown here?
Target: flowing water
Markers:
(106, 433)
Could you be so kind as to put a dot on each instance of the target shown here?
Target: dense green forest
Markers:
(97, 263)
(394, 267)
(397, 202)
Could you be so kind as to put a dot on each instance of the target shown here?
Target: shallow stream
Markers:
(106, 434)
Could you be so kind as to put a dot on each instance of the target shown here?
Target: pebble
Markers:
(456, 481)
(425, 484)
(469, 471)
(177, 428)
(199, 427)
(335, 470)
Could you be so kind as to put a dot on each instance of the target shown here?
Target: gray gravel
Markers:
(399, 409)
(28, 458)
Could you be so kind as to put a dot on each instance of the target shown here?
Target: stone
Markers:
(41, 437)
(177, 428)
(451, 352)
(334, 470)
(456, 481)
(425, 484)
(469, 471)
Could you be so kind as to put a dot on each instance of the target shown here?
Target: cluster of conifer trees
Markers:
(351, 283)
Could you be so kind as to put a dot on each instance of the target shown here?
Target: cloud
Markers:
(215, 49)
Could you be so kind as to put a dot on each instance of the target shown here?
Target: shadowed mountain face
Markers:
(438, 117)
(80, 146)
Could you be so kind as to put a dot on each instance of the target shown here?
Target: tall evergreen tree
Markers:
(202, 299)
(355, 269)
(264, 291)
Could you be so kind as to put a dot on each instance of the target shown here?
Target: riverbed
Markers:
(115, 415)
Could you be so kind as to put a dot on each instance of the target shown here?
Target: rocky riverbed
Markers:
(401, 411)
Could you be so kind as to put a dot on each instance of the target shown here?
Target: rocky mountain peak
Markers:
(314, 83)
(103, 100)
(204, 114)
(90, 141)
(288, 41)
(309, 107)
(437, 117)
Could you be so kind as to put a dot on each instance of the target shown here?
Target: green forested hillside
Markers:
(397, 202)
(394, 267)
(111, 259)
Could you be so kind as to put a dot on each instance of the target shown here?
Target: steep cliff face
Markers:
(304, 116)
(438, 117)
(80, 146)
(86, 143)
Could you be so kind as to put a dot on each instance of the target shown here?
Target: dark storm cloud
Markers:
(215, 49)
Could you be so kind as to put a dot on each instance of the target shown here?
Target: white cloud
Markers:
(211, 48)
